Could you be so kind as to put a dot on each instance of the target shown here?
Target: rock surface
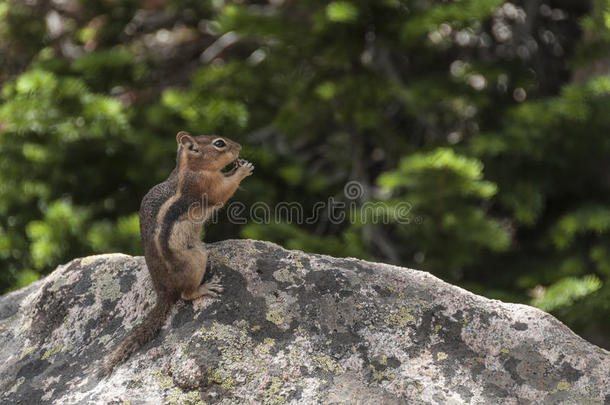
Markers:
(290, 328)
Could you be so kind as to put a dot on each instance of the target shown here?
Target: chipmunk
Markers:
(172, 215)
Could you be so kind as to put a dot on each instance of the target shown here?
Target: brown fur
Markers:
(172, 215)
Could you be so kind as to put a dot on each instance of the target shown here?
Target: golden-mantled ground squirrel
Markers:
(172, 215)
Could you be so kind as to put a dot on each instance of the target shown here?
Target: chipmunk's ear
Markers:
(185, 139)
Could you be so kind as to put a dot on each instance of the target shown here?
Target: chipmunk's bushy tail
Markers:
(139, 335)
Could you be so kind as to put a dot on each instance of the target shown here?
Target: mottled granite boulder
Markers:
(290, 328)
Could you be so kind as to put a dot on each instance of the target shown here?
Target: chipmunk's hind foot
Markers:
(212, 288)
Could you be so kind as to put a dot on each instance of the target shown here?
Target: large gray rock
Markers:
(290, 328)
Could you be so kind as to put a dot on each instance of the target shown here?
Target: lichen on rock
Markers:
(290, 328)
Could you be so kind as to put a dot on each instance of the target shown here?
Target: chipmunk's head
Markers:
(206, 152)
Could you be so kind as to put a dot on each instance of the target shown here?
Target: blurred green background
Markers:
(490, 118)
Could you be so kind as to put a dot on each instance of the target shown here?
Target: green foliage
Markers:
(579, 222)
(566, 291)
(482, 155)
(52, 236)
(55, 129)
(40, 103)
(341, 11)
(348, 245)
(25, 278)
(443, 188)
(459, 15)
(442, 168)
(104, 236)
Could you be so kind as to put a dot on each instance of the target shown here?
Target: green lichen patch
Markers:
(136, 382)
(27, 351)
(191, 398)
(265, 347)
(284, 276)
(173, 397)
(330, 365)
(178, 397)
(217, 331)
(293, 356)
(107, 286)
(52, 352)
(272, 394)
(67, 323)
(275, 317)
(440, 356)
(377, 375)
(164, 380)
(221, 260)
(85, 261)
(217, 377)
(401, 318)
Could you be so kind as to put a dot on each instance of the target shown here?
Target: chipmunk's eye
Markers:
(220, 143)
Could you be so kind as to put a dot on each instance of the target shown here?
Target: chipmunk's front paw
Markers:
(245, 168)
